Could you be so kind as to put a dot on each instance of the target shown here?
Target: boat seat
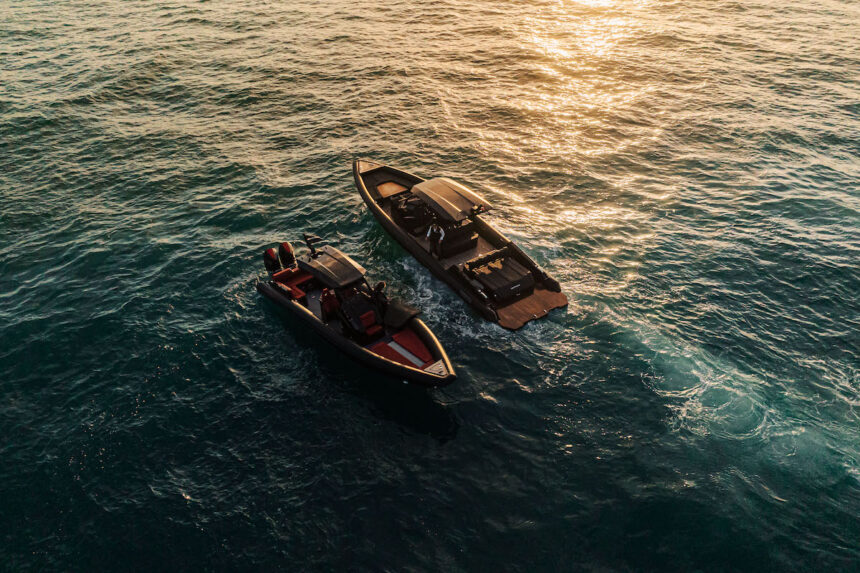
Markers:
(397, 314)
(482, 260)
(296, 292)
(411, 214)
(382, 348)
(368, 320)
(328, 303)
(361, 316)
(503, 277)
(410, 341)
(285, 275)
(292, 279)
(457, 239)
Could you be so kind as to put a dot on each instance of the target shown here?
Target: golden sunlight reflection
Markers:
(584, 109)
(580, 54)
(607, 217)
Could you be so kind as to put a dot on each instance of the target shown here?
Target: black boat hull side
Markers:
(413, 247)
(360, 354)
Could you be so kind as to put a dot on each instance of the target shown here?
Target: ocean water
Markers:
(688, 171)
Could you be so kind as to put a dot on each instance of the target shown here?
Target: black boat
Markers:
(328, 291)
(438, 221)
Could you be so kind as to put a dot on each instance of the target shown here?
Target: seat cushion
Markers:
(285, 275)
(329, 302)
(410, 341)
(412, 214)
(458, 239)
(293, 278)
(361, 316)
(384, 350)
(368, 320)
(505, 279)
(297, 293)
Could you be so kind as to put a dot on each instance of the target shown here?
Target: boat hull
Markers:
(513, 315)
(361, 354)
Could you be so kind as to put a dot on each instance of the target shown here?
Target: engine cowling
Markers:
(286, 254)
(271, 260)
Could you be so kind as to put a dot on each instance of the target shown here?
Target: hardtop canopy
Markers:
(332, 268)
(449, 199)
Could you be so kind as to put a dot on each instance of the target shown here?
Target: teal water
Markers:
(688, 170)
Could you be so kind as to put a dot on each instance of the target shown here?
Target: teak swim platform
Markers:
(438, 221)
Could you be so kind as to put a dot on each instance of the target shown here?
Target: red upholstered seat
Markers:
(284, 275)
(329, 302)
(293, 278)
(296, 292)
(382, 349)
(368, 319)
(410, 341)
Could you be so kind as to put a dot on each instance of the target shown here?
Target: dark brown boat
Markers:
(327, 290)
(439, 221)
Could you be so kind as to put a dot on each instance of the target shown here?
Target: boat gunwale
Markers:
(361, 353)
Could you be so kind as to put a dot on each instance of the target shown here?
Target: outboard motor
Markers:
(288, 257)
(270, 258)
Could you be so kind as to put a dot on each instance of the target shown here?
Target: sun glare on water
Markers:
(580, 55)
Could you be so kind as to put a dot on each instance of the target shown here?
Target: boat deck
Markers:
(314, 304)
(536, 305)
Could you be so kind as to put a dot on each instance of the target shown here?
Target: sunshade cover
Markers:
(332, 267)
(449, 199)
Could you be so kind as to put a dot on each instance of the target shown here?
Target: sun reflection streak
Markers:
(579, 105)
(583, 109)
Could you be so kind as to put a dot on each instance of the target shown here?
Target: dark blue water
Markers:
(688, 170)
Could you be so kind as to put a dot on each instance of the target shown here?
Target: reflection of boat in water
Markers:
(327, 290)
(408, 406)
(438, 221)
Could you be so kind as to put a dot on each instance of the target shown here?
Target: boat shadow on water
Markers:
(412, 407)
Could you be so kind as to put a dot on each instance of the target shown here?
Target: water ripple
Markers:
(687, 170)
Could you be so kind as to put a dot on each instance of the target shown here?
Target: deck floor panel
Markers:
(390, 188)
(536, 305)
